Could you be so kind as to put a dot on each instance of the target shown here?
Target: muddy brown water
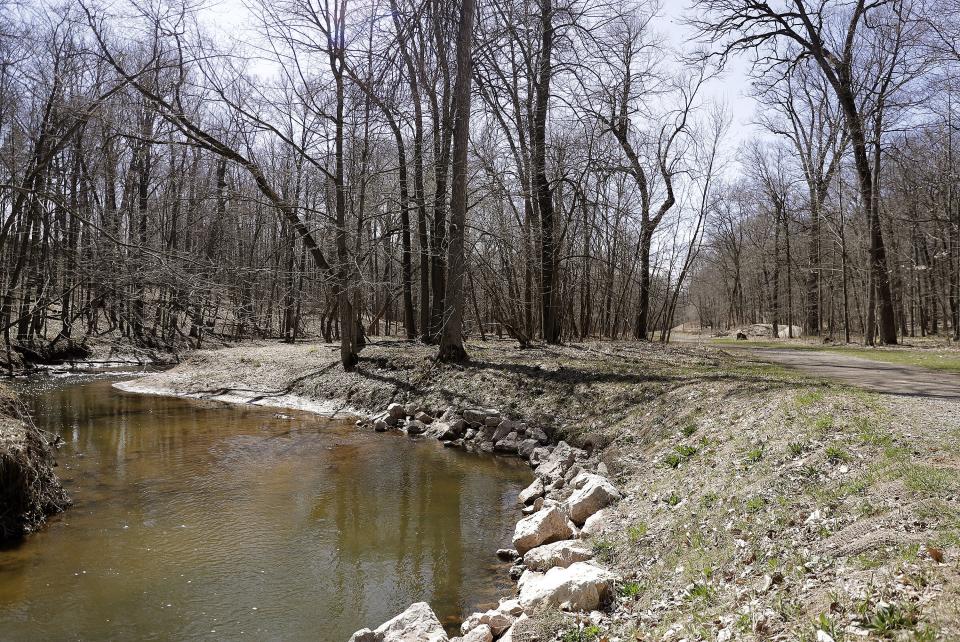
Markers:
(198, 520)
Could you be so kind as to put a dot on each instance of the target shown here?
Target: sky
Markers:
(732, 87)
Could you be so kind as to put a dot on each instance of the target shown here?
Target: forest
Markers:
(542, 170)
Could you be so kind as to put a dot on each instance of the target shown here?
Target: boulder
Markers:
(396, 411)
(417, 624)
(492, 420)
(543, 527)
(504, 428)
(539, 455)
(538, 434)
(423, 417)
(452, 429)
(562, 554)
(508, 444)
(598, 522)
(531, 492)
(579, 587)
(511, 607)
(560, 460)
(477, 416)
(414, 427)
(525, 448)
(486, 432)
(593, 493)
(498, 621)
(487, 446)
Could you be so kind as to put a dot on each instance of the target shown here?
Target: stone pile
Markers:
(568, 499)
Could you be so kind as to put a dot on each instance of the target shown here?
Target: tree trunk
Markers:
(451, 339)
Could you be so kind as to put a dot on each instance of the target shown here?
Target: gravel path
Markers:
(876, 376)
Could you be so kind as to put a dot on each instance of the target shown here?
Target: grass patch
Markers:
(870, 433)
(887, 619)
(809, 398)
(796, 448)
(754, 455)
(837, 455)
(603, 550)
(679, 455)
(637, 532)
(588, 633)
(700, 592)
(930, 480)
(630, 590)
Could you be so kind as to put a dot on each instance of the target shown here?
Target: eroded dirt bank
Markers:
(29, 488)
(759, 502)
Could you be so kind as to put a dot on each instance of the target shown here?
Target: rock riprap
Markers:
(562, 554)
(543, 527)
(591, 493)
(579, 587)
(417, 624)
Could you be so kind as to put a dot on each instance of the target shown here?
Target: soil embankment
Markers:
(29, 489)
(758, 502)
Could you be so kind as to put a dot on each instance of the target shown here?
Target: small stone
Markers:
(380, 425)
(423, 417)
(411, 409)
(516, 571)
(470, 434)
(507, 554)
(396, 411)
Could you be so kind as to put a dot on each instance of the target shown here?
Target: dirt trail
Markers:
(876, 376)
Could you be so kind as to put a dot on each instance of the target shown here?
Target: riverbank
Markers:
(758, 502)
(29, 488)
(89, 354)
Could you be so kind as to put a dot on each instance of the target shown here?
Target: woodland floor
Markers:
(761, 502)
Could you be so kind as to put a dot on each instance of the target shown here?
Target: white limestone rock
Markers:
(579, 587)
(417, 624)
(562, 554)
(543, 527)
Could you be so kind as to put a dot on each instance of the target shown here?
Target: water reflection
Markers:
(198, 520)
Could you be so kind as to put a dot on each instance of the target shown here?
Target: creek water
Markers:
(200, 520)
